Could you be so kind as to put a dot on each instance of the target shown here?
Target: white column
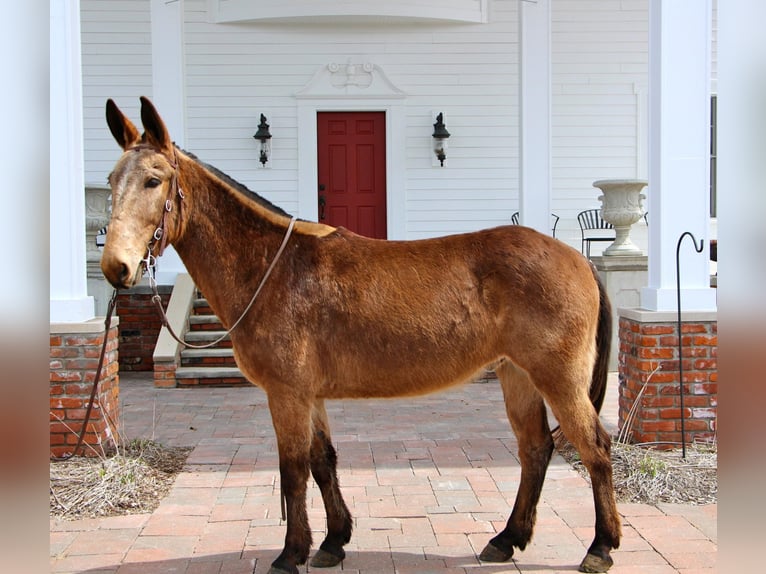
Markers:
(535, 114)
(168, 69)
(679, 153)
(69, 300)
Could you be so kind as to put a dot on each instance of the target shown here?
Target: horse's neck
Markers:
(227, 241)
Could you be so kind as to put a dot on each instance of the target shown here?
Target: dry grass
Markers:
(133, 480)
(650, 476)
(645, 474)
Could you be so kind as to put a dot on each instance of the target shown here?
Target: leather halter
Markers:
(160, 233)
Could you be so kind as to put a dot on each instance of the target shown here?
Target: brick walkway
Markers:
(428, 481)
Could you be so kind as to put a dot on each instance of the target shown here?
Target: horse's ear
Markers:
(154, 128)
(121, 127)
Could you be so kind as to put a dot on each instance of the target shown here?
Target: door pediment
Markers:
(352, 80)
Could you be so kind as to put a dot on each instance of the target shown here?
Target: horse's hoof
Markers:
(492, 553)
(324, 559)
(593, 563)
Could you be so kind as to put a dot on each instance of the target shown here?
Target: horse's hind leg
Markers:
(582, 427)
(526, 412)
(324, 463)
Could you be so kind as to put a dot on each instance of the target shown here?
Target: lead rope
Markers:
(157, 300)
(107, 325)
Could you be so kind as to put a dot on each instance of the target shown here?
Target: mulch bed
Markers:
(133, 480)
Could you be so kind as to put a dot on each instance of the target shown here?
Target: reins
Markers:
(94, 390)
(160, 234)
(157, 299)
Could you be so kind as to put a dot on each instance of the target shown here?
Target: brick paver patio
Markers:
(428, 480)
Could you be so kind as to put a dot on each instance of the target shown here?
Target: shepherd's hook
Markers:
(680, 339)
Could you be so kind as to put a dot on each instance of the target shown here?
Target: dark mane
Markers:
(240, 187)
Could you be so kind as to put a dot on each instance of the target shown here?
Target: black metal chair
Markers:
(593, 228)
(554, 221)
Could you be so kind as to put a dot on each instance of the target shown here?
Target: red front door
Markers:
(352, 171)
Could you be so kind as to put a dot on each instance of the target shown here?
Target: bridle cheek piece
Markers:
(160, 233)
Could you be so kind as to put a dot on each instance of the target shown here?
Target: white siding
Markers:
(468, 71)
(600, 62)
(117, 64)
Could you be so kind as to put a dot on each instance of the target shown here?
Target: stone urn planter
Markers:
(622, 206)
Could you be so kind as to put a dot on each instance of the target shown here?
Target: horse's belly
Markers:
(416, 380)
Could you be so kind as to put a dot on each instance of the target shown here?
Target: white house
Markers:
(540, 97)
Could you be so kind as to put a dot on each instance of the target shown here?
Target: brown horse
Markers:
(344, 316)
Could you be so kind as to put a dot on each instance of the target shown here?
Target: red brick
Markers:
(656, 353)
(64, 352)
(669, 341)
(658, 401)
(664, 377)
(695, 352)
(675, 413)
(82, 364)
(706, 364)
(711, 341)
(693, 328)
(696, 425)
(657, 426)
(647, 341)
(84, 340)
(703, 413)
(698, 377)
(57, 439)
(697, 400)
(64, 376)
(653, 329)
(704, 388)
(66, 403)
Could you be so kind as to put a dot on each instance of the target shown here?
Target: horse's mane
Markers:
(237, 186)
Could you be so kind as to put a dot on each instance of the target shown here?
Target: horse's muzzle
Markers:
(119, 273)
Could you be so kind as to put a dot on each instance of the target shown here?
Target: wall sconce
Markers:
(440, 136)
(264, 136)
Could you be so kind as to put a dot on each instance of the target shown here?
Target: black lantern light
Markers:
(264, 136)
(440, 136)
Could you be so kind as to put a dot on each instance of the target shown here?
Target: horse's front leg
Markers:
(291, 417)
(324, 464)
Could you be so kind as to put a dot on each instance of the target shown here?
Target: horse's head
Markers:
(145, 195)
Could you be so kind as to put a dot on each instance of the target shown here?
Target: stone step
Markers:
(210, 376)
(206, 336)
(205, 323)
(214, 357)
(202, 307)
(214, 366)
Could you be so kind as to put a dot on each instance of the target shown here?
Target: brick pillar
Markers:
(649, 341)
(140, 325)
(74, 353)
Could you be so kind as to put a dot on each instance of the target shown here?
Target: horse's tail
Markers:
(603, 346)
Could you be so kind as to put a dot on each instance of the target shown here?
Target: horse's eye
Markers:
(153, 182)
